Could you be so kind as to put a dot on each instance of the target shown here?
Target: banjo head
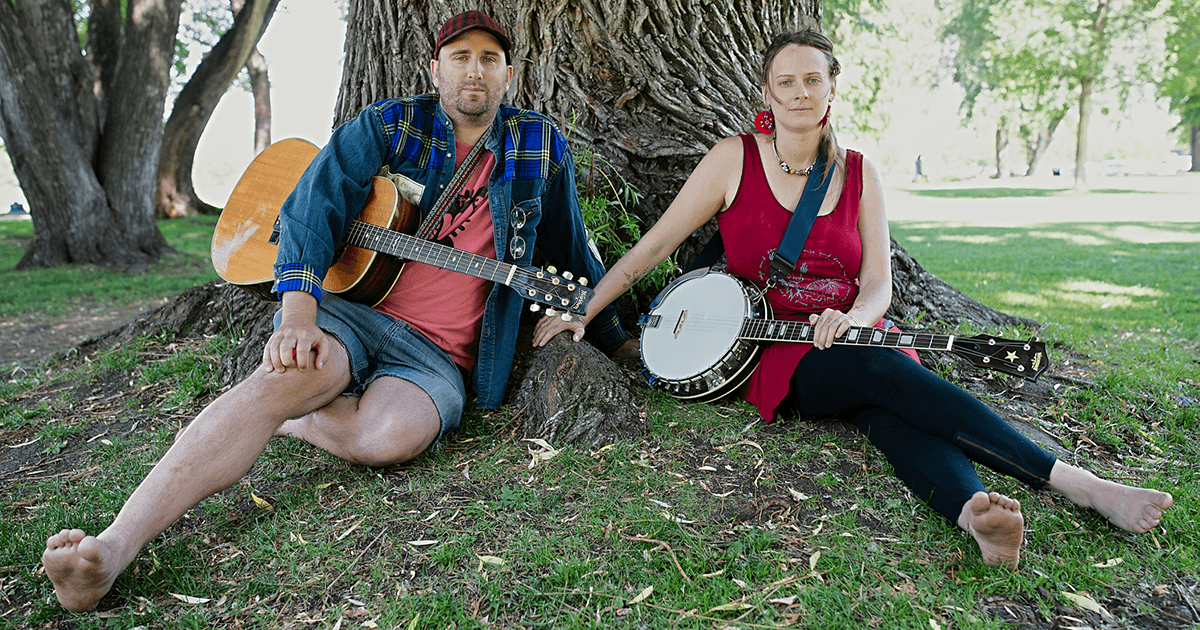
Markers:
(693, 325)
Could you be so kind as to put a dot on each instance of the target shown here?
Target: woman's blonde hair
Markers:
(828, 149)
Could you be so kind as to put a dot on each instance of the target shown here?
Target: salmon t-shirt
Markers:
(447, 306)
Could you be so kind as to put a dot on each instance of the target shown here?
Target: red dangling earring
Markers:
(825, 120)
(764, 122)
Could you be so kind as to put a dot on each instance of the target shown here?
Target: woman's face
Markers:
(799, 87)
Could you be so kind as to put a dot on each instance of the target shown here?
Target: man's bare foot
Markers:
(76, 564)
(995, 522)
(1136, 510)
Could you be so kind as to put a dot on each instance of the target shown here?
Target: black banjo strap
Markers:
(783, 261)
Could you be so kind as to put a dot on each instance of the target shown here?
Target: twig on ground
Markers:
(661, 545)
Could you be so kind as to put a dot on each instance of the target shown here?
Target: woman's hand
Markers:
(830, 325)
(547, 327)
(297, 341)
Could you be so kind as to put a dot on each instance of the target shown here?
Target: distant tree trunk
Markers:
(1045, 135)
(175, 195)
(1085, 114)
(1001, 145)
(83, 133)
(260, 86)
(1195, 149)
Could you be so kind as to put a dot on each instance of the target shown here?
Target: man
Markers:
(404, 363)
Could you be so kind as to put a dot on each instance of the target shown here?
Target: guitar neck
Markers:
(803, 332)
(408, 247)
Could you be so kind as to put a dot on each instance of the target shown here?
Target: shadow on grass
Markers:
(1003, 193)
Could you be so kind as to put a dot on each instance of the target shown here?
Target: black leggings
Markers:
(928, 428)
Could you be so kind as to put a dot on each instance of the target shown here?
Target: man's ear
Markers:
(433, 66)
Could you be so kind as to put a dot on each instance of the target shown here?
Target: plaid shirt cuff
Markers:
(297, 277)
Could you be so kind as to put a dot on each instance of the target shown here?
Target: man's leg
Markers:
(393, 422)
(215, 451)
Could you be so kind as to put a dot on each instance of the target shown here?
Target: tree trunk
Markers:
(649, 88)
(260, 85)
(1085, 114)
(83, 132)
(1045, 135)
(1001, 145)
(175, 195)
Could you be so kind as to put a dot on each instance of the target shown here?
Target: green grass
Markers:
(712, 520)
(72, 289)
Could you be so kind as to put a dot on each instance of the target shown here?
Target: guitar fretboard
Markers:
(803, 332)
(408, 247)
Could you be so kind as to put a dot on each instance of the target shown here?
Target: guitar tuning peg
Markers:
(551, 270)
(566, 317)
(535, 307)
(583, 281)
(568, 275)
(551, 312)
(570, 286)
(564, 301)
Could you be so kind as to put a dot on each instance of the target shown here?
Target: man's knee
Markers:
(403, 441)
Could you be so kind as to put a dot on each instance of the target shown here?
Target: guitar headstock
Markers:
(1027, 359)
(555, 292)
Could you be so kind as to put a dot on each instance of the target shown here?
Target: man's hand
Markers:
(297, 341)
(547, 327)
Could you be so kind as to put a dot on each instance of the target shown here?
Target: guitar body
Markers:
(693, 350)
(244, 245)
(703, 335)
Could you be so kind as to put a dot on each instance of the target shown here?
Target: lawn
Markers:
(711, 520)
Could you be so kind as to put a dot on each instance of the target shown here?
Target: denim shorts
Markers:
(380, 345)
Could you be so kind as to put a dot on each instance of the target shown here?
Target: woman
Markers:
(928, 429)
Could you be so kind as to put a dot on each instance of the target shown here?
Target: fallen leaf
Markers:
(784, 601)
(260, 502)
(731, 606)
(493, 560)
(707, 469)
(643, 595)
(1111, 562)
(934, 624)
(812, 561)
(422, 543)
(739, 582)
(1086, 603)
(797, 495)
(187, 599)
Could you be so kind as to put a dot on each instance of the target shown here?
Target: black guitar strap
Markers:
(456, 183)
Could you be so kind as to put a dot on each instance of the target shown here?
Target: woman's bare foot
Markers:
(1136, 510)
(995, 522)
(78, 566)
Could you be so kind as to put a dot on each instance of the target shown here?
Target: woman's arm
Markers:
(875, 273)
(702, 197)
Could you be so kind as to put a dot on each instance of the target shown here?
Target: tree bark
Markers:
(83, 133)
(1001, 145)
(175, 195)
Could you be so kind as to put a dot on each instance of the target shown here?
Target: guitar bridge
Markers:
(649, 321)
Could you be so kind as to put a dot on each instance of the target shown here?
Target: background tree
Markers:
(83, 130)
(175, 195)
(1181, 83)
(1025, 56)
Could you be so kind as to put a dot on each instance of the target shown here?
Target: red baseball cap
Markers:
(466, 21)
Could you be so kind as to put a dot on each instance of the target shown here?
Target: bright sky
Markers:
(303, 48)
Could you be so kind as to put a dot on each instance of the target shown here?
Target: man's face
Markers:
(471, 77)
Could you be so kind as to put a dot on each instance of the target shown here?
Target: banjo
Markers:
(704, 332)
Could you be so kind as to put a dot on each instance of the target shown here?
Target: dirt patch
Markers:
(26, 340)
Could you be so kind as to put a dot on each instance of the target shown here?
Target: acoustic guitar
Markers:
(374, 250)
(703, 335)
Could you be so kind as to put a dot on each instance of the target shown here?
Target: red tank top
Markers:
(826, 274)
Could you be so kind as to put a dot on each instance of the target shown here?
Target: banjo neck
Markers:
(803, 332)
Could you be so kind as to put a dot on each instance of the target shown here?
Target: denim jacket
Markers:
(413, 136)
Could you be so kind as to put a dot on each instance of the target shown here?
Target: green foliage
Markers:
(606, 200)
(1181, 81)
